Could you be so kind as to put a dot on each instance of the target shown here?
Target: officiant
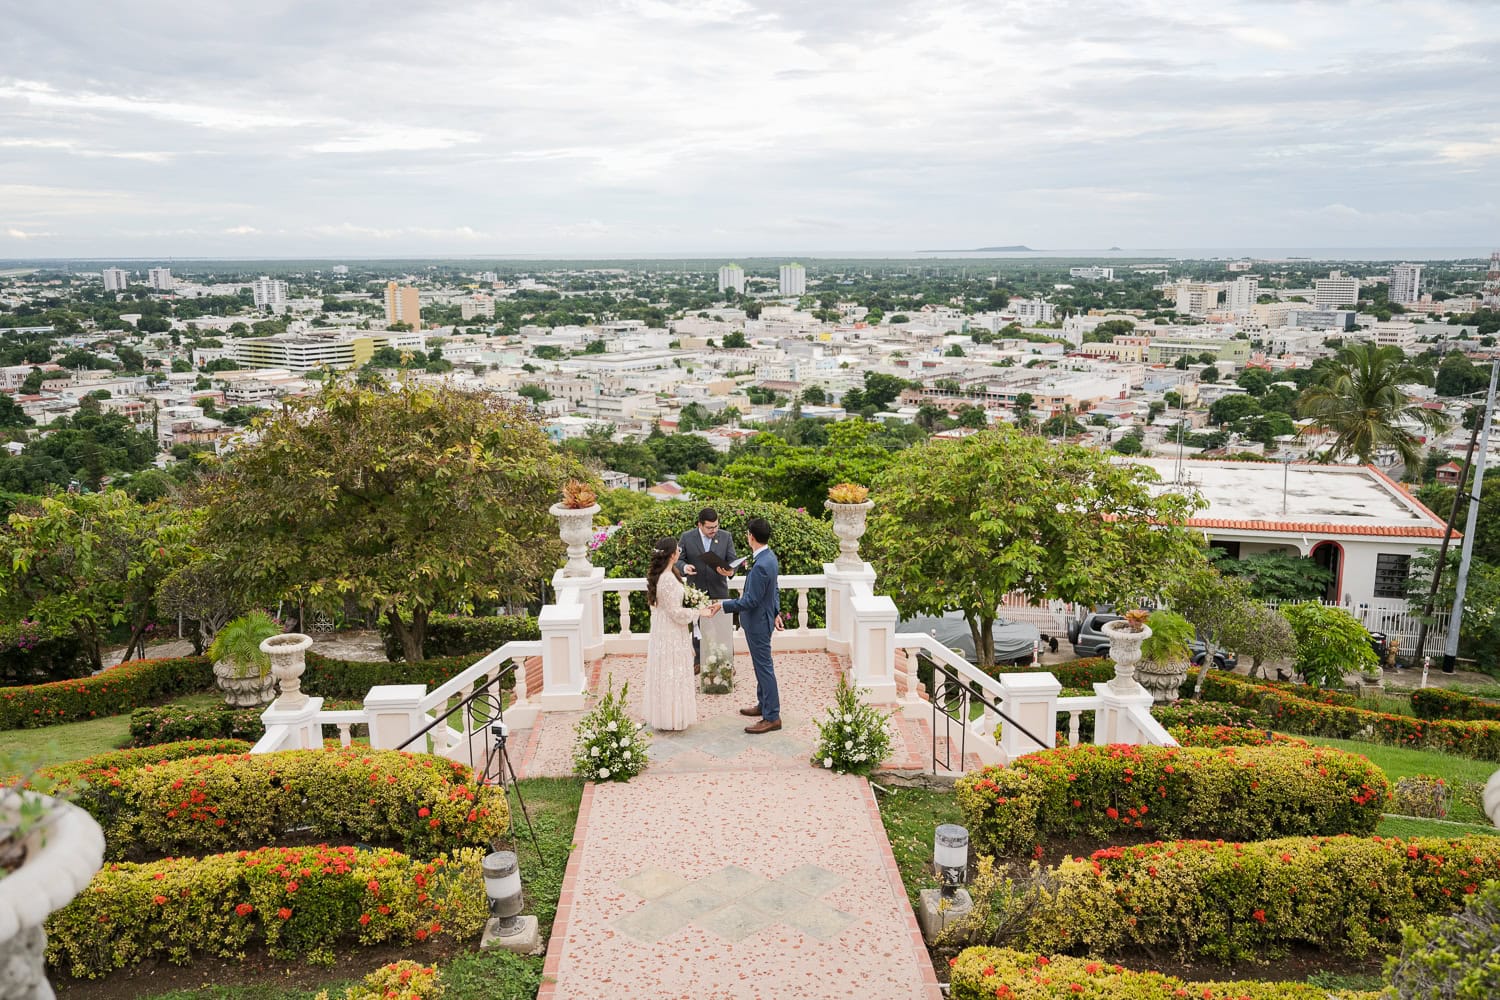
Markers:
(706, 561)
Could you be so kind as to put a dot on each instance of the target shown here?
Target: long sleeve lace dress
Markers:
(671, 692)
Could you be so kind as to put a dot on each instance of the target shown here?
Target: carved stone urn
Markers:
(849, 527)
(1163, 680)
(243, 688)
(575, 525)
(287, 663)
(1125, 650)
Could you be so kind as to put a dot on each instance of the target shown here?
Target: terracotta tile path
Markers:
(731, 868)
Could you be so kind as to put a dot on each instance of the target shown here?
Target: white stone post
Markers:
(304, 731)
(395, 714)
(842, 586)
(589, 591)
(872, 655)
(562, 658)
(1030, 699)
(1112, 722)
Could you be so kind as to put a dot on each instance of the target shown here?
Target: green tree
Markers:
(1330, 643)
(735, 339)
(1360, 401)
(413, 500)
(1458, 376)
(11, 414)
(1229, 409)
(954, 351)
(1255, 381)
(798, 475)
(679, 453)
(814, 395)
(959, 524)
(1210, 374)
(535, 393)
(1276, 576)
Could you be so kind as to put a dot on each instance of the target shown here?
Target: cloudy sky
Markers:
(734, 126)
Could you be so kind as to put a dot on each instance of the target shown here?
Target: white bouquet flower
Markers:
(609, 746)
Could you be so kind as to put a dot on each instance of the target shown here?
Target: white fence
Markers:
(1399, 622)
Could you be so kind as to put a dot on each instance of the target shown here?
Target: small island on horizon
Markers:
(1018, 248)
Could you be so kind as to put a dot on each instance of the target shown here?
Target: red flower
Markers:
(284, 913)
(1112, 812)
(1259, 915)
(244, 909)
(424, 812)
(159, 900)
(364, 918)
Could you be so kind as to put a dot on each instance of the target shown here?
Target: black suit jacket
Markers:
(707, 579)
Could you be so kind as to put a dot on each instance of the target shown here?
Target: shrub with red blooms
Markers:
(1231, 736)
(110, 692)
(1235, 792)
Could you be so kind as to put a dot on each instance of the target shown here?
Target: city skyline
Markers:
(650, 127)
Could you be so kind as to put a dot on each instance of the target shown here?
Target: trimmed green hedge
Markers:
(1436, 703)
(991, 973)
(1238, 901)
(1231, 792)
(297, 902)
(457, 635)
(172, 723)
(1230, 736)
(111, 692)
(103, 768)
(329, 678)
(1198, 714)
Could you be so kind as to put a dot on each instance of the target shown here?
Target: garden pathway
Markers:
(731, 868)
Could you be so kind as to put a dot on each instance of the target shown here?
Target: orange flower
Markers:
(284, 913)
(244, 909)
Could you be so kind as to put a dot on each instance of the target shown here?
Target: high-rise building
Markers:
(477, 306)
(115, 279)
(1492, 282)
(732, 276)
(1406, 284)
(402, 305)
(269, 294)
(1242, 294)
(1335, 291)
(793, 279)
(1092, 273)
(1196, 298)
(1032, 310)
(160, 279)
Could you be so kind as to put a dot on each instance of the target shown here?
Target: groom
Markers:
(760, 614)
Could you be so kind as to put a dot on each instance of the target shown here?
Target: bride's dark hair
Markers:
(661, 558)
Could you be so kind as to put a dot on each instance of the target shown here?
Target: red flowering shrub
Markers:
(1438, 703)
(1236, 792)
(295, 901)
(111, 692)
(404, 980)
(83, 775)
(1230, 736)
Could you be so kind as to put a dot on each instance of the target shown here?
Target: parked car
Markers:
(1088, 639)
(1015, 642)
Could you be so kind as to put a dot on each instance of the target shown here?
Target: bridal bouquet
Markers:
(609, 745)
(692, 597)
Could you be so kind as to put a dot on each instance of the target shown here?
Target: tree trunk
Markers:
(982, 631)
(413, 634)
(90, 637)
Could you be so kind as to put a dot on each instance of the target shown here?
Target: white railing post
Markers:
(872, 657)
(303, 731)
(395, 712)
(562, 658)
(588, 594)
(842, 587)
(1113, 722)
(624, 612)
(1031, 700)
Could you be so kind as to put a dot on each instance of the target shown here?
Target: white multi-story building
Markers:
(269, 294)
(477, 306)
(793, 279)
(1393, 334)
(1196, 298)
(1406, 284)
(341, 269)
(160, 278)
(115, 279)
(733, 276)
(1092, 273)
(1032, 310)
(1242, 294)
(1335, 291)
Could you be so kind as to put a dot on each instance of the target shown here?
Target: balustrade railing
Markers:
(798, 623)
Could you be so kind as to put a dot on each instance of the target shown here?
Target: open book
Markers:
(718, 562)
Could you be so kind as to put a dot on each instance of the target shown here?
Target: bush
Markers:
(1422, 795)
(1230, 736)
(1238, 901)
(404, 980)
(456, 635)
(1436, 703)
(1330, 643)
(330, 678)
(37, 653)
(1198, 714)
(102, 767)
(296, 901)
(1233, 792)
(110, 692)
(172, 722)
(200, 804)
(1455, 957)
(988, 973)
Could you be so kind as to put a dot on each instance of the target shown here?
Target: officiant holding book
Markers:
(707, 561)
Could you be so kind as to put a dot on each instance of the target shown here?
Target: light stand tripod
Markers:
(497, 758)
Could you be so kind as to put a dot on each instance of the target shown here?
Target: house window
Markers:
(1230, 549)
(1390, 575)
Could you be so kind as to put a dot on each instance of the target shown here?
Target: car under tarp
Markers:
(1015, 642)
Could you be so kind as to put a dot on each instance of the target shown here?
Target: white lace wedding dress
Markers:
(671, 689)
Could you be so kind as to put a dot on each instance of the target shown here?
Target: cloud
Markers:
(19, 234)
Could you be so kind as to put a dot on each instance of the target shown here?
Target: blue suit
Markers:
(758, 609)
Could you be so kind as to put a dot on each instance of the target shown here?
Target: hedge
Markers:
(33, 652)
(456, 635)
(296, 901)
(1476, 739)
(1231, 792)
(112, 691)
(1436, 703)
(172, 722)
(329, 678)
(200, 804)
(1197, 714)
(1231, 736)
(1237, 901)
(991, 973)
(1454, 957)
(102, 767)
(403, 980)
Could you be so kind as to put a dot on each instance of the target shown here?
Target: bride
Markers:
(671, 696)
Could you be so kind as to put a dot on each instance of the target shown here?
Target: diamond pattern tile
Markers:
(653, 883)
(732, 903)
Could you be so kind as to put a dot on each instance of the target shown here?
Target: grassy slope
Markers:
(75, 740)
(1400, 762)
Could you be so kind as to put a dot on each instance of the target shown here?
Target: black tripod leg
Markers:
(516, 784)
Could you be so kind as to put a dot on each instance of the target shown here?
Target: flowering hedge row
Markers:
(1436, 703)
(297, 902)
(1004, 974)
(1206, 713)
(172, 723)
(404, 980)
(201, 804)
(1081, 673)
(1234, 901)
(1231, 736)
(1234, 792)
(101, 768)
(111, 692)
(1477, 739)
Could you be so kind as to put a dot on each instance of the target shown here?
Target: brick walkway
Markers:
(732, 868)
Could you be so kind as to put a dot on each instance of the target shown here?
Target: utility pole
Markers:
(1455, 620)
(1442, 558)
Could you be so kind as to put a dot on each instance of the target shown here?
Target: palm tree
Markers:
(1359, 399)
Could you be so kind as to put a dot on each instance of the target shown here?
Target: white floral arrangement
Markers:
(855, 737)
(718, 669)
(692, 597)
(609, 746)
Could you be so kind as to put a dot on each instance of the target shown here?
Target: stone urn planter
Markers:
(1125, 650)
(243, 690)
(61, 857)
(287, 654)
(1163, 680)
(849, 527)
(575, 525)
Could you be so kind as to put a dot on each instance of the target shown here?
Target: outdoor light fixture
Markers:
(950, 854)
(502, 884)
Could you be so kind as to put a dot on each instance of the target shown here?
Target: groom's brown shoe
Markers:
(763, 727)
(753, 713)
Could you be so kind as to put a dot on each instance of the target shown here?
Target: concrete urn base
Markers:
(1163, 680)
(242, 691)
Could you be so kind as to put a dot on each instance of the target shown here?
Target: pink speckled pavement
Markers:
(731, 868)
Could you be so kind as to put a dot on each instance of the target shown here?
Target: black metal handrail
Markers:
(955, 687)
(490, 694)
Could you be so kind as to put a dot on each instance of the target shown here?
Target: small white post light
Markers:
(950, 854)
(507, 928)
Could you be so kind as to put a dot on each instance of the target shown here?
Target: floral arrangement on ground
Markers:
(609, 746)
(855, 738)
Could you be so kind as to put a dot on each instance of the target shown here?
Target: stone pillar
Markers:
(305, 732)
(395, 714)
(1030, 699)
(562, 658)
(589, 591)
(1112, 722)
(872, 654)
(842, 586)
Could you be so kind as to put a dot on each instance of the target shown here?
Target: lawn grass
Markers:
(910, 815)
(76, 740)
(1401, 762)
(1402, 826)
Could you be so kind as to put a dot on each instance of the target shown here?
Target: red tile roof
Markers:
(1310, 528)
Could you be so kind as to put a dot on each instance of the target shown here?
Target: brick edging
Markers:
(898, 890)
(557, 940)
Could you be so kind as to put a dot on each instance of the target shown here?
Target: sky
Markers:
(380, 129)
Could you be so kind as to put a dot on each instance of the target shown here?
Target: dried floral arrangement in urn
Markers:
(578, 495)
(1137, 619)
(848, 493)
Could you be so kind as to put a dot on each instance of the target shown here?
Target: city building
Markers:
(402, 305)
(793, 279)
(1092, 273)
(733, 276)
(1242, 294)
(160, 279)
(1196, 298)
(1321, 319)
(1392, 334)
(269, 294)
(115, 279)
(341, 270)
(1031, 310)
(1406, 284)
(477, 306)
(1166, 350)
(1335, 291)
(303, 354)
